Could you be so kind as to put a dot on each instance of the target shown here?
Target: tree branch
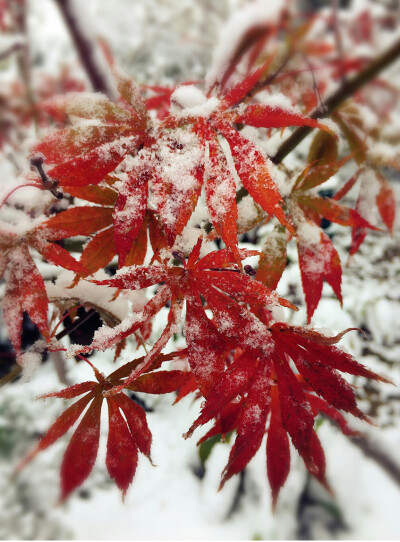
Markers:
(88, 51)
(376, 453)
(344, 92)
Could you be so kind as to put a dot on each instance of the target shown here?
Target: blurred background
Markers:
(166, 42)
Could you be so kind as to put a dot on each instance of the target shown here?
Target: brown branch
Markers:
(376, 453)
(88, 51)
(12, 49)
(59, 364)
(345, 91)
(9, 377)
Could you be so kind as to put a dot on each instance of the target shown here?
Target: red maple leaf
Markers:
(217, 278)
(128, 432)
(25, 290)
(261, 383)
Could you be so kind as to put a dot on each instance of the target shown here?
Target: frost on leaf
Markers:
(257, 386)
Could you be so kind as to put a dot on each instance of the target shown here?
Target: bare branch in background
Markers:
(89, 52)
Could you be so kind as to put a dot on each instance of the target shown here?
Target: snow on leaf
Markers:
(233, 382)
(24, 292)
(174, 318)
(136, 278)
(220, 191)
(71, 391)
(255, 175)
(130, 93)
(177, 180)
(205, 346)
(66, 144)
(318, 261)
(87, 106)
(93, 166)
(128, 215)
(105, 337)
(245, 289)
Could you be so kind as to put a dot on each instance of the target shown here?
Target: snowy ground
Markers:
(178, 498)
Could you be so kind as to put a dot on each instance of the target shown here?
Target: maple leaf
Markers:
(25, 290)
(215, 277)
(128, 430)
(260, 384)
(318, 261)
(251, 166)
(272, 261)
(318, 258)
(374, 190)
(109, 229)
(161, 154)
(86, 152)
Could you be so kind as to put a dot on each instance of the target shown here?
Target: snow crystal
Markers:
(95, 294)
(369, 190)
(261, 12)
(178, 155)
(309, 232)
(279, 101)
(30, 362)
(188, 100)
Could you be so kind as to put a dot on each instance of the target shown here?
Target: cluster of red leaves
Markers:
(128, 430)
(142, 178)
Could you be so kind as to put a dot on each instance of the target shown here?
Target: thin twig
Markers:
(321, 105)
(81, 320)
(48, 183)
(271, 78)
